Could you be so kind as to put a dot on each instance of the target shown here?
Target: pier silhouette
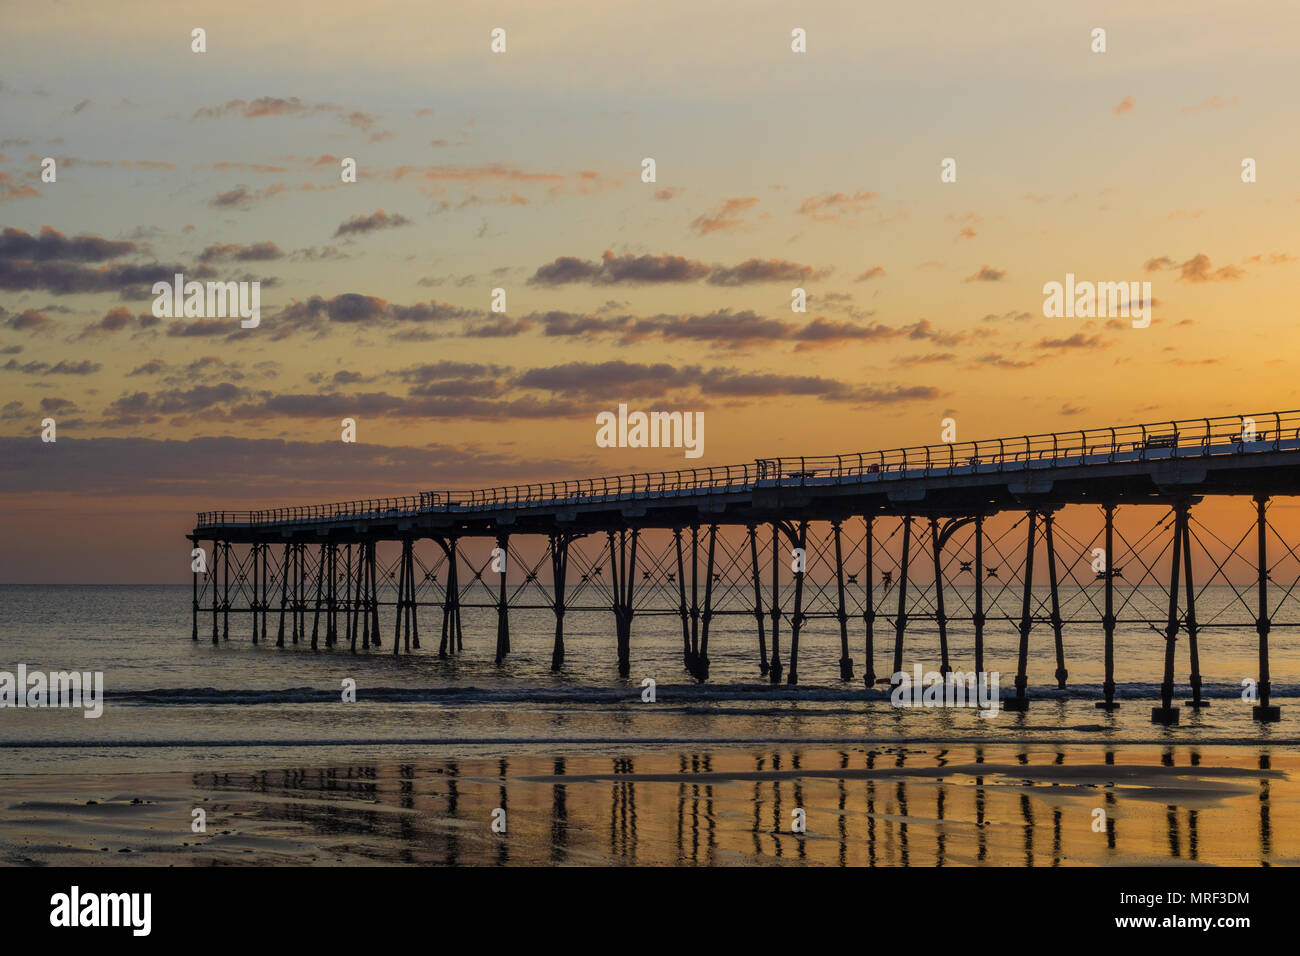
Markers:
(912, 529)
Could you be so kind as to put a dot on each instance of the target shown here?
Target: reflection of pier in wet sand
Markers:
(865, 806)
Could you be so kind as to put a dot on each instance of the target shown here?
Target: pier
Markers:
(872, 541)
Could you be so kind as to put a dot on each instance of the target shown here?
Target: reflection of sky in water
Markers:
(882, 806)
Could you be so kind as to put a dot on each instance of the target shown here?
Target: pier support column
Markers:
(214, 577)
(373, 571)
(452, 636)
(846, 662)
(977, 619)
(1061, 673)
(1108, 620)
(402, 626)
(681, 606)
(194, 617)
(559, 571)
(266, 586)
(900, 622)
(503, 609)
(758, 601)
(411, 601)
(284, 597)
(254, 556)
(320, 591)
(225, 599)
(295, 591)
(774, 668)
(869, 609)
(796, 618)
(941, 619)
(1263, 711)
(693, 655)
(1021, 701)
(349, 605)
(1195, 677)
(702, 658)
(331, 594)
(1167, 713)
(622, 560)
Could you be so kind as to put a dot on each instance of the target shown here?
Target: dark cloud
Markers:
(316, 314)
(663, 269)
(379, 219)
(51, 245)
(63, 367)
(29, 320)
(234, 251)
(501, 328)
(114, 320)
(602, 379)
(763, 270)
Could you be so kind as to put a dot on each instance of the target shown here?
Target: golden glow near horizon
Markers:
(522, 171)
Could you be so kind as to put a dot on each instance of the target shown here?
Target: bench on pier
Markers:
(1157, 441)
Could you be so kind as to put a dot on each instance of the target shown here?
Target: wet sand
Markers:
(864, 805)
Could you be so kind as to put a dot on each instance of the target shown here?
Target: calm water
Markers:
(708, 773)
(161, 687)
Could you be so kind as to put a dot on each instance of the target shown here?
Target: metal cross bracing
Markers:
(900, 562)
(889, 589)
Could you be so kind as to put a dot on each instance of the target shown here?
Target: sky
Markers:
(522, 171)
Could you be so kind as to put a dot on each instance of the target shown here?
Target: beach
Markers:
(886, 805)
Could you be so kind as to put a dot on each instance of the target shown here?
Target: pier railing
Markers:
(1190, 438)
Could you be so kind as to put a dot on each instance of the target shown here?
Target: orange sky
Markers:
(522, 171)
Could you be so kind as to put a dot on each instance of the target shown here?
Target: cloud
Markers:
(259, 108)
(1125, 105)
(1196, 269)
(836, 207)
(233, 251)
(620, 380)
(763, 270)
(630, 269)
(63, 367)
(604, 379)
(11, 189)
(379, 219)
(316, 314)
(500, 328)
(1273, 259)
(875, 272)
(29, 320)
(1076, 341)
(114, 320)
(728, 215)
(1213, 103)
(986, 273)
(52, 245)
